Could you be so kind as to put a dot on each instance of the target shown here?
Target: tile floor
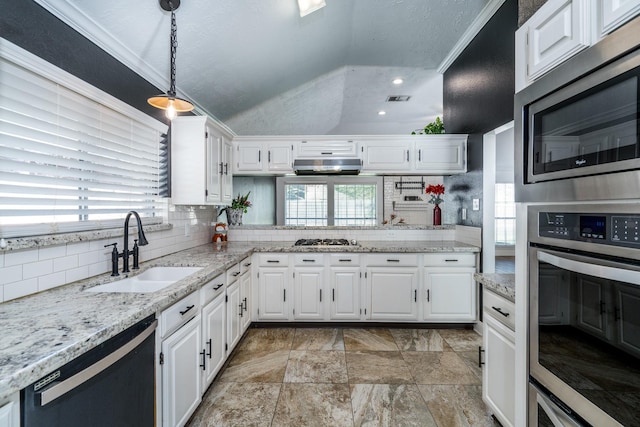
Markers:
(349, 377)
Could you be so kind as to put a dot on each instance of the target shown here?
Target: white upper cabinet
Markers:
(614, 13)
(200, 162)
(445, 154)
(262, 156)
(315, 149)
(386, 156)
(562, 28)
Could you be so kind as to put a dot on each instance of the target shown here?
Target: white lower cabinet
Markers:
(234, 313)
(498, 377)
(450, 294)
(181, 373)
(392, 293)
(308, 284)
(214, 338)
(245, 300)
(10, 411)
(272, 293)
(345, 293)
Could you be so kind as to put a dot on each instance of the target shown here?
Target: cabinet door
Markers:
(182, 374)
(614, 13)
(272, 294)
(215, 166)
(213, 337)
(499, 373)
(226, 151)
(393, 293)
(592, 307)
(345, 293)
(249, 157)
(627, 314)
(189, 160)
(441, 155)
(307, 288)
(10, 412)
(233, 315)
(280, 157)
(245, 299)
(450, 294)
(386, 156)
(557, 31)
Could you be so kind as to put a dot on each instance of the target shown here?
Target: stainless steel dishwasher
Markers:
(110, 385)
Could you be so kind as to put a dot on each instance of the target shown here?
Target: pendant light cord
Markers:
(174, 46)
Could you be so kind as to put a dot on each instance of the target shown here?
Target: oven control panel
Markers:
(609, 229)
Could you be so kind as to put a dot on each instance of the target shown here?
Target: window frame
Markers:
(330, 181)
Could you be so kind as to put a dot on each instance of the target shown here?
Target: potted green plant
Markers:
(239, 205)
(434, 127)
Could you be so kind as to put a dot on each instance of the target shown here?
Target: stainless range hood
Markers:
(327, 166)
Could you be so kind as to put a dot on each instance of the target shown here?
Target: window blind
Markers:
(67, 158)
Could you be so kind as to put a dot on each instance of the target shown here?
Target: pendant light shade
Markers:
(169, 102)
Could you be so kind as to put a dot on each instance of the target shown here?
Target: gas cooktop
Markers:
(324, 242)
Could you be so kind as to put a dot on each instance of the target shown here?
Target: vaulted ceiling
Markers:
(261, 69)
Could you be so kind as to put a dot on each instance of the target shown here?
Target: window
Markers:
(335, 200)
(71, 157)
(505, 211)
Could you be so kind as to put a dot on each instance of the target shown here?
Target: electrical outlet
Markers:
(464, 213)
(187, 230)
(476, 204)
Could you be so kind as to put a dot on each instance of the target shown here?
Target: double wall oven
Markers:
(578, 169)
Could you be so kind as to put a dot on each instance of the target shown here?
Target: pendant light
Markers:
(169, 102)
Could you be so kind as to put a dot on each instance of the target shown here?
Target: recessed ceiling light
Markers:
(382, 113)
(397, 81)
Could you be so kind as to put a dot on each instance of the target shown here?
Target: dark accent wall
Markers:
(30, 26)
(526, 8)
(478, 97)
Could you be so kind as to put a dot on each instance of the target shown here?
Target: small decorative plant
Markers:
(240, 202)
(435, 191)
(434, 127)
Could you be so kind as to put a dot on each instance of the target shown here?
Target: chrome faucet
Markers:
(140, 241)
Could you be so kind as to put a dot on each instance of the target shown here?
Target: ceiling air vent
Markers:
(398, 98)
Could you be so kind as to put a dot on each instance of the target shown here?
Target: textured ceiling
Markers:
(260, 68)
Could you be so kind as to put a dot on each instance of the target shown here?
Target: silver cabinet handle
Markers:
(57, 390)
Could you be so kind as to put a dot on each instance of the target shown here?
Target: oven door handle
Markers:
(592, 267)
(58, 389)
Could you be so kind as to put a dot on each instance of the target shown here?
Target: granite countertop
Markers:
(501, 284)
(44, 331)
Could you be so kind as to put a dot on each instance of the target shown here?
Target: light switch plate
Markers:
(476, 204)
(464, 213)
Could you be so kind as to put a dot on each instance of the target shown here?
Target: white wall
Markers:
(25, 272)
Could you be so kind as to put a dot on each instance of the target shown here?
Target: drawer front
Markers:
(308, 259)
(450, 259)
(273, 260)
(392, 260)
(179, 314)
(501, 309)
(233, 273)
(212, 289)
(245, 265)
(344, 259)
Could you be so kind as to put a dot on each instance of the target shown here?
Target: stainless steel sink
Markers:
(151, 280)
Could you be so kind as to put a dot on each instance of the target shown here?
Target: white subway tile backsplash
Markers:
(51, 281)
(20, 289)
(77, 248)
(35, 269)
(20, 257)
(76, 274)
(99, 268)
(10, 274)
(92, 257)
(51, 252)
(1, 259)
(65, 263)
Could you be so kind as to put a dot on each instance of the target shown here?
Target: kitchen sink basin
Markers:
(151, 280)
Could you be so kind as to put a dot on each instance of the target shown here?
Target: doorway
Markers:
(498, 231)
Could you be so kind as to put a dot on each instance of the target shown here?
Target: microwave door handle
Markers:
(591, 267)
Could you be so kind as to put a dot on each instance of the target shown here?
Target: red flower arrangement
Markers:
(435, 191)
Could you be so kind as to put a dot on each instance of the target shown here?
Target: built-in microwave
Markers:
(578, 127)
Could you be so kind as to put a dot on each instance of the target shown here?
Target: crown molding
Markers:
(481, 20)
